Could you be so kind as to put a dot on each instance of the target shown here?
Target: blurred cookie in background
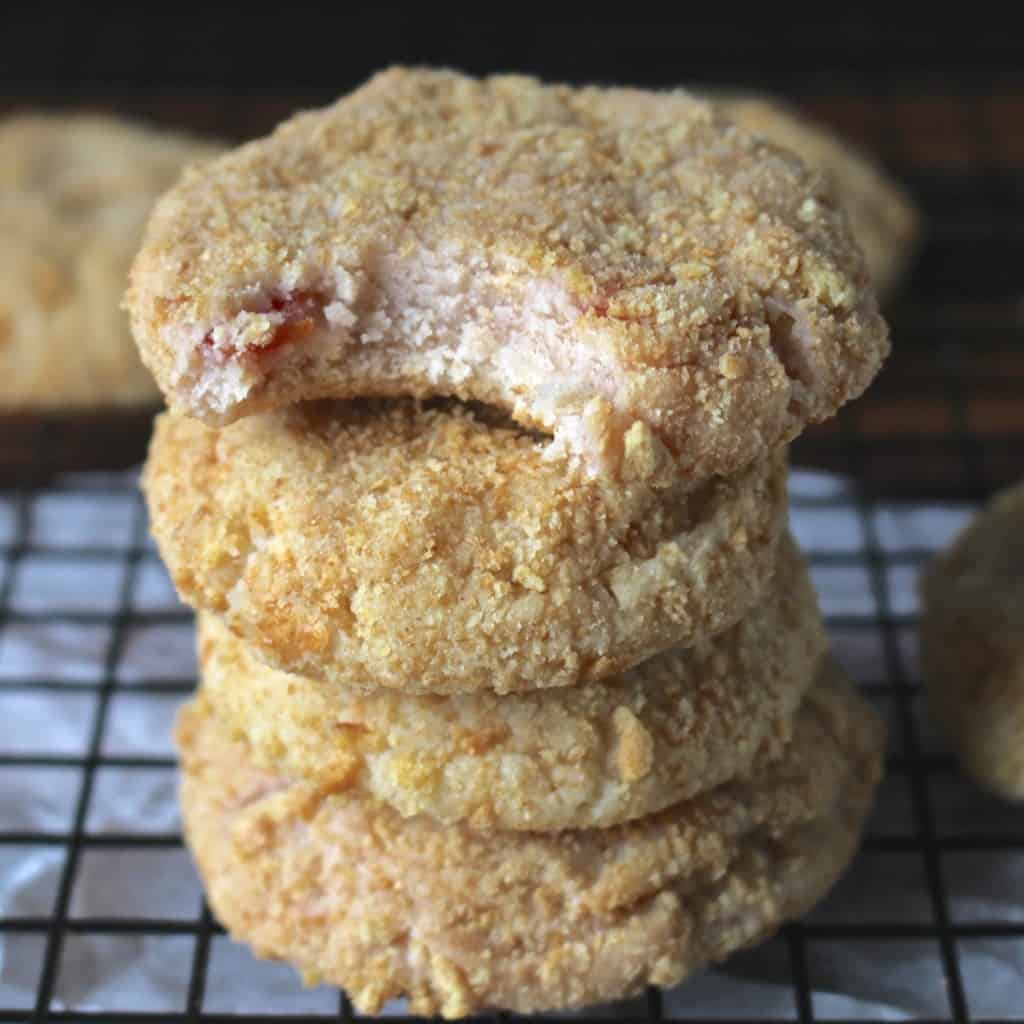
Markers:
(75, 193)
(882, 215)
(972, 644)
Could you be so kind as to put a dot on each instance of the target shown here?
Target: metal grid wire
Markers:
(944, 422)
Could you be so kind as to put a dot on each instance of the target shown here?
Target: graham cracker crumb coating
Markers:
(585, 259)
(582, 756)
(882, 215)
(384, 544)
(460, 920)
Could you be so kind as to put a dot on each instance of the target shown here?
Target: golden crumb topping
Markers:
(459, 919)
(536, 247)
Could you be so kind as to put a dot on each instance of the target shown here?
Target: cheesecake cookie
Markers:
(75, 192)
(972, 644)
(459, 919)
(583, 756)
(386, 544)
(587, 260)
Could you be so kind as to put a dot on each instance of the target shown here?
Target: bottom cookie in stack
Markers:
(459, 919)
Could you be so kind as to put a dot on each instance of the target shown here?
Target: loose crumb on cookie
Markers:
(459, 920)
(585, 259)
(972, 644)
(433, 549)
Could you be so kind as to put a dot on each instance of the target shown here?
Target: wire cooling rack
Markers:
(81, 587)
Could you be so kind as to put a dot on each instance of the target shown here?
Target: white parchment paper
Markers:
(871, 977)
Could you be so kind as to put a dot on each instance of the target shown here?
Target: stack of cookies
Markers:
(515, 691)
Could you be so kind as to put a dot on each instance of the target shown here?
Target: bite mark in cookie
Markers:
(584, 259)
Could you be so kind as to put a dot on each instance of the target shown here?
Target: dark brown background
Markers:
(941, 101)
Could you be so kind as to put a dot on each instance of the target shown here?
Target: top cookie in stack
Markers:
(584, 260)
(481, 392)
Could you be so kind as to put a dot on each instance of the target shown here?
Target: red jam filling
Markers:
(301, 313)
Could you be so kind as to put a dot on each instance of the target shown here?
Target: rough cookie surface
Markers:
(972, 644)
(459, 920)
(75, 193)
(582, 756)
(381, 544)
(583, 259)
(882, 216)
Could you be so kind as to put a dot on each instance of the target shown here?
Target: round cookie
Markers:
(459, 920)
(882, 216)
(75, 193)
(383, 544)
(972, 644)
(584, 260)
(579, 757)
